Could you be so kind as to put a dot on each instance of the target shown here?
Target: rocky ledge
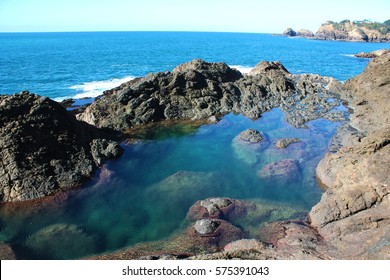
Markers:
(373, 54)
(353, 214)
(44, 149)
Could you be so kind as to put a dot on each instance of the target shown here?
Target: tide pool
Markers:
(146, 194)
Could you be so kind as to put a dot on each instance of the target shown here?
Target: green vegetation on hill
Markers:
(382, 28)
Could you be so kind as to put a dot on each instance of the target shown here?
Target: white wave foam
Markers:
(349, 55)
(94, 88)
(242, 69)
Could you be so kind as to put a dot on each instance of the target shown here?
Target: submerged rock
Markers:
(45, 149)
(282, 172)
(249, 144)
(251, 135)
(62, 240)
(285, 142)
(6, 252)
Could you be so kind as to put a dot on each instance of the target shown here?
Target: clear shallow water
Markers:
(61, 65)
(145, 195)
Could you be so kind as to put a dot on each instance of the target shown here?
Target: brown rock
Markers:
(6, 252)
(245, 244)
(218, 208)
(213, 233)
(352, 215)
(285, 142)
(373, 54)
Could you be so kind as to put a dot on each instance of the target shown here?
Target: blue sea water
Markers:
(61, 65)
(145, 195)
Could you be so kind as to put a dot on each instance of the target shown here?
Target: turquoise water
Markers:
(145, 195)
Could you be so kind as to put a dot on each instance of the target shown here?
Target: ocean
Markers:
(84, 64)
(146, 194)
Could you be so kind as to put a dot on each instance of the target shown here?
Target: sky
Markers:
(256, 16)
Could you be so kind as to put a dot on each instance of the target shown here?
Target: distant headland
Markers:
(347, 30)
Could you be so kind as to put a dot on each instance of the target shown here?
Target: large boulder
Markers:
(193, 90)
(249, 144)
(45, 149)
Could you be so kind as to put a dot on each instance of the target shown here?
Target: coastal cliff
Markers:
(347, 30)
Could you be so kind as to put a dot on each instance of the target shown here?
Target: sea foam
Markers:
(94, 88)
(242, 69)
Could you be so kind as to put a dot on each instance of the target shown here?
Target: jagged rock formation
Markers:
(198, 90)
(44, 149)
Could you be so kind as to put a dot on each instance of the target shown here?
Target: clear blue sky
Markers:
(271, 16)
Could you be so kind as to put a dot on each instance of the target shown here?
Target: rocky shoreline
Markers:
(46, 149)
(346, 30)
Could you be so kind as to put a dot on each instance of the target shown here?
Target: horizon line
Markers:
(167, 31)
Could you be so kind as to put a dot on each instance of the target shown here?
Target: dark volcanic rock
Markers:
(194, 90)
(198, 90)
(289, 32)
(44, 149)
